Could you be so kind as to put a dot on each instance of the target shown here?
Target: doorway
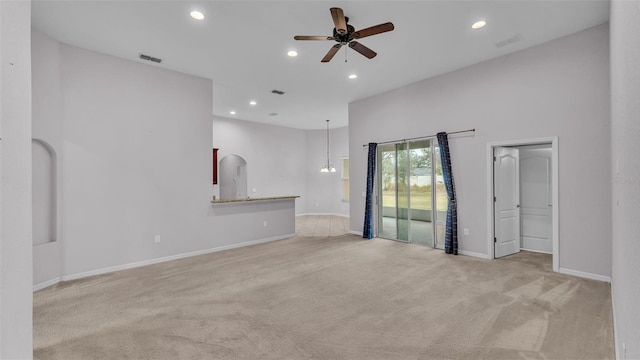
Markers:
(522, 188)
(412, 199)
(233, 177)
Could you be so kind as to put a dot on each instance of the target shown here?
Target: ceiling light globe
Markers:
(478, 24)
(353, 76)
(197, 15)
(292, 53)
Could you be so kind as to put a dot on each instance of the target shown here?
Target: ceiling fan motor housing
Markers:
(344, 38)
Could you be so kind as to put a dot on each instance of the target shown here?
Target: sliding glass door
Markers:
(408, 191)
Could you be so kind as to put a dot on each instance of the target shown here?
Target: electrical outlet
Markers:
(317, 203)
(265, 223)
(156, 239)
(253, 190)
(466, 231)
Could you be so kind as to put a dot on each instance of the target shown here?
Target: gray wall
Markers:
(560, 88)
(15, 181)
(625, 173)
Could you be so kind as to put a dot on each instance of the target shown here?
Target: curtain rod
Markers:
(421, 137)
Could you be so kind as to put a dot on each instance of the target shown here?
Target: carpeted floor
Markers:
(328, 298)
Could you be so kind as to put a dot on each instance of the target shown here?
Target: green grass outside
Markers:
(419, 200)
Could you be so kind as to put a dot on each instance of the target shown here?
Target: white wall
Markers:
(560, 88)
(286, 161)
(48, 127)
(625, 173)
(324, 190)
(15, 181)
(134, 153)
(136, 160)
(275, 156)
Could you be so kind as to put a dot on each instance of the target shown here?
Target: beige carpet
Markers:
(328, 298)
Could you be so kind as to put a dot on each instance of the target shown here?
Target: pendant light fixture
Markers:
(328, 167)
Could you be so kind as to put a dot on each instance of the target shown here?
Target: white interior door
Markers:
(536, 203)
(506, 191)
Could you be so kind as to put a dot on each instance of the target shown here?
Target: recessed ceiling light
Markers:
(232, 112)
(197, 15)
(478, 24)
(292, 53)
(353, 76)
(252, 102)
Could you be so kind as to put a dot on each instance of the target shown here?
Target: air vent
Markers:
(509, 41)
(150, 58)
(273, 114)
(277, 92)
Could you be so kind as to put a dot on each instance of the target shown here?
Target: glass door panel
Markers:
(388, 199)
(441, 200)
(402, 192)
(420, 198)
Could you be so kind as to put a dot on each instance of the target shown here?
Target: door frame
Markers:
(554, 193)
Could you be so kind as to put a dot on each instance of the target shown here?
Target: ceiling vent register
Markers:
(150, 58)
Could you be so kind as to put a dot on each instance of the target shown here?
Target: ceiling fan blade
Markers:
(377, 29)
(362, 49)
(338, 20)
(304, 37)
(334, 49)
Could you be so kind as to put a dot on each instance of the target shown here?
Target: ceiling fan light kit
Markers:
(345, 34)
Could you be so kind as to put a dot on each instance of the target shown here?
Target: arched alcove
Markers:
(44, 192)
(233, 177)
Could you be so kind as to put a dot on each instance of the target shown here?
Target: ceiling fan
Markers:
(345, 34)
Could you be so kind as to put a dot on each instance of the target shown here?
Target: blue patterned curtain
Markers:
(367, 231)
(451, 232)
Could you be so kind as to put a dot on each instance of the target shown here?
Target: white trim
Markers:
(322, 214)
(169, 258)
(536, 251)
(46, 284)
(355, 232)
(474, 254)
(615, 325)
(555, 233)
(585, 275)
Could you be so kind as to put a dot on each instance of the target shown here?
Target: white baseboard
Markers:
(46, 284)
(323, 214)
(585, 275)
(359, 233)
(474, 254)
(615, 327)
(536, 251)
(167, 258)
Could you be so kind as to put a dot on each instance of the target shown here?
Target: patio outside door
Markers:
(406, 189)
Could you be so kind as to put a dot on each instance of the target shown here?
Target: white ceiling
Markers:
(242, 45)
